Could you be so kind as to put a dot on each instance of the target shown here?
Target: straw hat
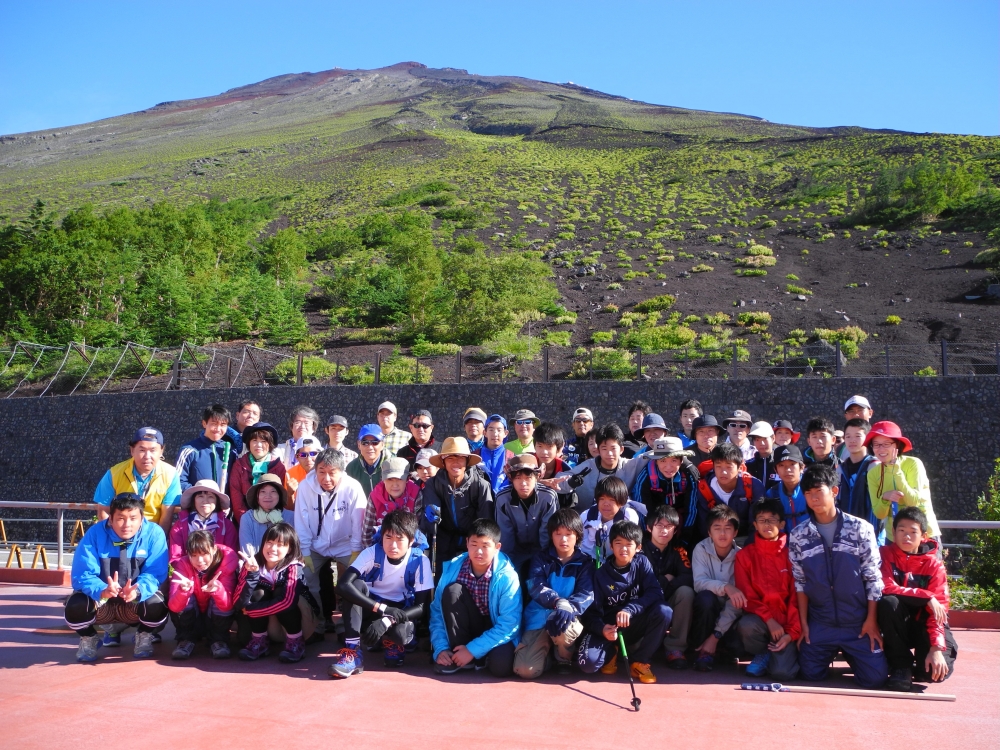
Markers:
(454, 446)
(204, 485)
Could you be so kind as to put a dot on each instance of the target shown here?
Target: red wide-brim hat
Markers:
(888, 430)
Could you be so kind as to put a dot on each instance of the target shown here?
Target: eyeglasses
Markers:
(739, 425)
(421, 426)
(583, 420)
(369, 443)
(525, 421)
(309, 454)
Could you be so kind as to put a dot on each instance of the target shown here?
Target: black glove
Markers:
(577, 479)
(374, 632)
(557, 622)
(396, 615)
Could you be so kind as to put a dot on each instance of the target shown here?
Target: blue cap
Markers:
(147, 433)
(497, 418)
(652, 420)
(370, 430)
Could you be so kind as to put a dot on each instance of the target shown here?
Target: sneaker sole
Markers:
(338, 676)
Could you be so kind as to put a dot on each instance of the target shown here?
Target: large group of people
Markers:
(692, 544)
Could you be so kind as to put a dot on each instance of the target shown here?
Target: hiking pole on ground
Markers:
(628, 669)
(777, 687)
(434, 550)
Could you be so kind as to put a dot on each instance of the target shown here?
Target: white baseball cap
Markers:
(859, 401)
(761, 429)
(387, 405)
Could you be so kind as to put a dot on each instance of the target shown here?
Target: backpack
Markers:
(706, 490)
(414, 565)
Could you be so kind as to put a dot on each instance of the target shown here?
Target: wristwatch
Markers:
(718, 634)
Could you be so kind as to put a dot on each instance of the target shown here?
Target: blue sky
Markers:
(919, 66)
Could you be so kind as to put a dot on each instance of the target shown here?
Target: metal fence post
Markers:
(298, 369)
(545, 364)
(175, 378)
(944, 357)
(458, 365)
(784, 360)
(378, 367)
(638, 363)
(887, 370)
(838, 358)
(59, 539)
(229, 373)
(734, 360)
(591, 364)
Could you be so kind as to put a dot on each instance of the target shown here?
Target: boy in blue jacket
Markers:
(627, 597)
(790, 463)
(476, 612)
(211, 454)
(854, 465)
(838, 583)
(118, 568)
(561, 586)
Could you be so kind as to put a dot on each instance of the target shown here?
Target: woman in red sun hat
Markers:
(897, 480)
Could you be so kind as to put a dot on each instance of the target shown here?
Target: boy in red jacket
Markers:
(913, 610)
(770, 624)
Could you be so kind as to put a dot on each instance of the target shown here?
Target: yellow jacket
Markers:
(163, 488)
(908, 476)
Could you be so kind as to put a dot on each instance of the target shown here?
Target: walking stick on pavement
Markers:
(628, 669)
(434, 550)
(777, 687)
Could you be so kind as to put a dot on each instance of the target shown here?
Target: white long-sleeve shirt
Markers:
(330, 523)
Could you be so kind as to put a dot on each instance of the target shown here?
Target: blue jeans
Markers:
(870, 667)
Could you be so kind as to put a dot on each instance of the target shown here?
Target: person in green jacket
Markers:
(367, 467)
(897, 481)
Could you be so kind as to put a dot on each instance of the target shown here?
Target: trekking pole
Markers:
(434, 550)
(777, 687)
(628, 669)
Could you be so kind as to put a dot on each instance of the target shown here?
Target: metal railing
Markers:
(59, 508)
(35, 370)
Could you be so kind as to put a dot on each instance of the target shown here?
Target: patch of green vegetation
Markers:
(602, 337)
(792, 289)
(654, 304)
(754, 318)
(926, 372)
(717, 319)
(791, 277)
(557, 338)
(510, 344)
(422, 348)
(313, 369)
(751, 272)
(893, 320)
(850, 338)
(655, 339)
(702, 268)
(604, 363)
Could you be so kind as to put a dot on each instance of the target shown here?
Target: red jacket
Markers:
(223, 596)
(241, 480)
(225, 534)
(920, 576)
(764, 575)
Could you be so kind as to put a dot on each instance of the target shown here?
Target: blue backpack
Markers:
(414, 566)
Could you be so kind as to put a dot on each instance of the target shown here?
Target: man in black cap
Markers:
(422, 436)
(738, 425)
(707, 432)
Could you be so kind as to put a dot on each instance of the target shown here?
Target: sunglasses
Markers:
(740, 425)
(525, 421)
(309, 454)
(421, 426)
(369, 443)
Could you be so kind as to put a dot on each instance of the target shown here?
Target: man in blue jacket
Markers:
(118, 569)
(476, 613)
(835, 563)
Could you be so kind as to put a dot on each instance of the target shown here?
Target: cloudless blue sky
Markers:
(905, 64)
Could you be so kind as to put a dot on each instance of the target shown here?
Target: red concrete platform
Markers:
(46, 699)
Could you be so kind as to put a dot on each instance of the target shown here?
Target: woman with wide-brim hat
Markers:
(260, 441)
(203, 506)
(267, 504)
(897, 480)
(455, 497)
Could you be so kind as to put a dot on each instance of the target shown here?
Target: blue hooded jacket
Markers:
(796, 510)
(505, 608)
(854, 497)
(97, 558)
(550, 580)
(203, 459)
(494, 460)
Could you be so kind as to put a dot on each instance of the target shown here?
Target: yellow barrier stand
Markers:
(15, 549)
(40, 551)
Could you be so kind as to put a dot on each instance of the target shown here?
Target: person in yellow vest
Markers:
(146, 475)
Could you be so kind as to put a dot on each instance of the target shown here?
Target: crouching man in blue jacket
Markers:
(476, 612)
(118, 569)
(835, 563)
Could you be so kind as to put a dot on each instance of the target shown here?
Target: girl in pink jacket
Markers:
(202, 585)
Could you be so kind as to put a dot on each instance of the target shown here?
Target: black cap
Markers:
(788, 453)
(707, 420)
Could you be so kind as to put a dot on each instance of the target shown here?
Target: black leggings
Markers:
(290, 619)
(903, 622)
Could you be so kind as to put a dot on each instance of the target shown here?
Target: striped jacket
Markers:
(276, 596)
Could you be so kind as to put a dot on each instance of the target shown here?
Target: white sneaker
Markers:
(87, 651)
(143, 648)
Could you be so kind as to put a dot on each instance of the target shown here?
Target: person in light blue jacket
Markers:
(118, 569)
(476, 612)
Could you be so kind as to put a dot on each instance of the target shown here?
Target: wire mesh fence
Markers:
(35, 370)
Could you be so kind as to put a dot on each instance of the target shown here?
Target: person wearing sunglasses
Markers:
(305, 461)
(525, 423)
(422, 436)
(738, 425)
(367, 467)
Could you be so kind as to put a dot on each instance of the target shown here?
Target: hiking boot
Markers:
(294, 650)
(392, 655)
(184, 650)
(611, 665)
(901, 680)
(411, 645)
(256, 648)
(758, 666)
(143, 645)
(87, 651)
(220, 650)
(642, 673)
(676, 660)
(111, 640)
(157, 638)
(349, 662)
(317, 637)
(704, 663)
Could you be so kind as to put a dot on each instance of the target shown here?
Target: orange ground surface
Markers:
(48, 700)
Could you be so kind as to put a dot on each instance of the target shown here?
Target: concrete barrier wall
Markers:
(57, 448)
